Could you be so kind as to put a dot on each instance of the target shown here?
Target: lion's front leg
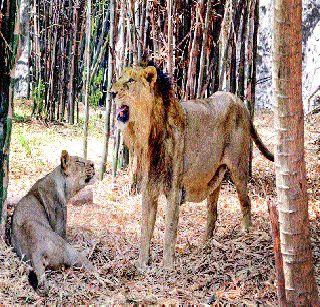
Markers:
(173, 202)
(149, 212)
(171, 220)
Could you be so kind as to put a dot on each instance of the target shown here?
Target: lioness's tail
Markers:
(256, 138)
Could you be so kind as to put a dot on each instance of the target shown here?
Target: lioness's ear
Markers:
(65, 158)
(150, 75)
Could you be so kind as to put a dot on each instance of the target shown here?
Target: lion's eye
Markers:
(131, 80)
(80, 163)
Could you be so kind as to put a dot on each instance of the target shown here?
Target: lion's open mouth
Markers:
(123, 114)
(89, 176)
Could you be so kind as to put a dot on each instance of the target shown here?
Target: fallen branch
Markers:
(274, 220)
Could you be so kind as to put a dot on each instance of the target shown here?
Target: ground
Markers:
(234, 267)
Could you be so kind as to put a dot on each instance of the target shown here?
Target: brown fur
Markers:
(184, 150)
(39, 219)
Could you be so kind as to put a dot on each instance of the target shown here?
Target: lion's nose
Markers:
(113, 94)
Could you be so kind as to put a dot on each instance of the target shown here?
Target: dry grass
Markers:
(234, 267)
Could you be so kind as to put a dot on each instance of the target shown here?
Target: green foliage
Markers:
(96, 124)
(21, 114)
(25, 144)
(96, 92)
(38, 94)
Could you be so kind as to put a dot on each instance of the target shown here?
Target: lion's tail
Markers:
(33, 280)
(256, 138)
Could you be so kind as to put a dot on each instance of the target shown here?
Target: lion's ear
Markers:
(150, 75)
(65, 159)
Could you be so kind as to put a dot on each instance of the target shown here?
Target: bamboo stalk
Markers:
(203, 49)
(108, 98)
(87, 83)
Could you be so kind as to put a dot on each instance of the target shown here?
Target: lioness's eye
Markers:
(81, 163)
(131, 80)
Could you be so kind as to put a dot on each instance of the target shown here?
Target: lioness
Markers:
(184, 149)
(39, 219)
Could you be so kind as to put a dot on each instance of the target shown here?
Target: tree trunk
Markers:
(252, 54)
(9, 48)
(116, 154)
(170, 39)
(193, 56)
(242, 61)
(87, 82)
(108, 98)
(274, 221)
(300, 284)
(203, 49)
(72, 56)
(22, 84)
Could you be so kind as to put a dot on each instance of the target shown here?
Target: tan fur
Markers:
(39, 219)
(184, 150)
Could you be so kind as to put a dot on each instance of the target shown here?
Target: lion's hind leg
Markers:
(240, 176)
(212, 200)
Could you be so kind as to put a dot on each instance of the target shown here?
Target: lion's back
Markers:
(216, 106)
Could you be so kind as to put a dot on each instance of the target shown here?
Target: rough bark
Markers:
(300, 284)
(9, 49)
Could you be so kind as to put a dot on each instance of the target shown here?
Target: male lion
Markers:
(39, 220)
(184, 150)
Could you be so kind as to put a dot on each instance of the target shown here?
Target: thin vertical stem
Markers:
(87, 83)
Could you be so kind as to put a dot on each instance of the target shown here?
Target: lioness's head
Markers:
(77, 172)
(134, 94)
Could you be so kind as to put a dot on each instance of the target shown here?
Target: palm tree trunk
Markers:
(300, 284)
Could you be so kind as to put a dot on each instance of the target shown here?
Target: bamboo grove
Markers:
(204, 46)
(57, 52)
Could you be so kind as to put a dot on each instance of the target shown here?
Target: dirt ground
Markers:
(233, 268)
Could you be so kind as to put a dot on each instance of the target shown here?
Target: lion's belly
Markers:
(203, 150)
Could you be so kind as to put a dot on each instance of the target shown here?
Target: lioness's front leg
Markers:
(149, 212)
(39, 282)
(61, 224)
